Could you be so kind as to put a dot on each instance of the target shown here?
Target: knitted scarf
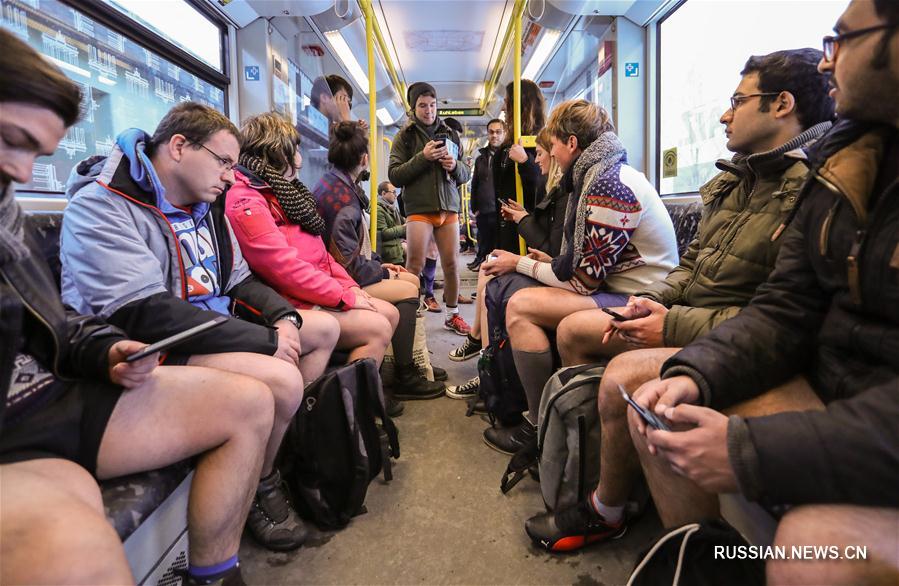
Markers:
(295, 198)
(12, 229)
(601, 155)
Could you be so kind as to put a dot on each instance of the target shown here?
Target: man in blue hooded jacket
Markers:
(146, 246)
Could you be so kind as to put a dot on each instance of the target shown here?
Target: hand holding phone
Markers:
(617, 316)
(178, 338)
(648, 416)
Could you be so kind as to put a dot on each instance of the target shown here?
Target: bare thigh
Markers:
(794, 395)
(393, 290)
(848, 528)
(418, 236)
(180, 412)
(546, 306)
(53, 529)
(359, 326)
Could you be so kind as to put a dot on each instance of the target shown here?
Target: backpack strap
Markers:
(376, 394)
(687, 530)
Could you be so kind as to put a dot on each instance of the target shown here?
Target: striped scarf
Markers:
(295, 198)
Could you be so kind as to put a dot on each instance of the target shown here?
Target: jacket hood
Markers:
(127, 171)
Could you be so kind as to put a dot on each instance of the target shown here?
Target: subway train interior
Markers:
(493, 98)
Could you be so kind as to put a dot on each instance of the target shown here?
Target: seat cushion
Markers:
(129, 500)
(685, 215)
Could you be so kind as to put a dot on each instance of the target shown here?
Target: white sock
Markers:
(610, 514)
(451, 311)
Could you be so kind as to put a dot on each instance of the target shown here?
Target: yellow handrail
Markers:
(516, 94)
(372, 121)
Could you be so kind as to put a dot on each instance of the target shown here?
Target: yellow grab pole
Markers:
(372, 121)
(516, 49)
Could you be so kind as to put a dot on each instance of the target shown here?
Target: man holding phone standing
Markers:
(781, 104)
(422, 164)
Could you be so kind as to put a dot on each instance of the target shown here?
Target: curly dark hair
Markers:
(794, 71)
(887, 9)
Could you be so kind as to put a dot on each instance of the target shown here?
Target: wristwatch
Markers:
(295, 319)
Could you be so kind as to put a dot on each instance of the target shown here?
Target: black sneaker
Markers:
(469, 349)
(509, 440)
(464, 391)
(572, 528)
(272, 520)
(439, 373)
(410, 385)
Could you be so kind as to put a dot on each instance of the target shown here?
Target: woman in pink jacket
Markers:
(275, 221)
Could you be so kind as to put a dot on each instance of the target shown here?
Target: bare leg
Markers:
(318, 336)
(283, 380)
(447, 238)
(579, 338)
(846, 527)
(418, 235)
(679, 500)
(620, 466)
(53, 530)
(393, 290)
(225, 417)
(366, 333)
(533, 310)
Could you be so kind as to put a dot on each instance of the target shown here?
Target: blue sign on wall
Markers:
(631, 70)
(251, 73)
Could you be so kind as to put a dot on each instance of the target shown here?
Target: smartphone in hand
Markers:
(617, 316)
(178, 338)
(648, 416)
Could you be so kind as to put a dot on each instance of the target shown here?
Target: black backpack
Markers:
(686, 556)
(333, 448)
(500, 387)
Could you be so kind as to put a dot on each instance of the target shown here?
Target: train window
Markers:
(704, 46)
(181, 24)
(124, 84)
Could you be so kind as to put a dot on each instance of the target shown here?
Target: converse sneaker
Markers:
(572, 528)
(457, 324)
(464, 391)
(469, 349)
(272, 520)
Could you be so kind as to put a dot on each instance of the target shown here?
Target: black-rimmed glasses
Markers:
(737, 100)
(831, 44)
(224, 162)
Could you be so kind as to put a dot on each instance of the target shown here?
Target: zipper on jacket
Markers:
(852, 268)
(56, 345)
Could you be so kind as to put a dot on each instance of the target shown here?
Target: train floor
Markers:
(443, 519)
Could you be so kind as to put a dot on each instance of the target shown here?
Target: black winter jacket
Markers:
(504, 188)
(483, 196)
(543, 228)
(829, 311)
(69, 345)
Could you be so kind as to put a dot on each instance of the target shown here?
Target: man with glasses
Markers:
(391, 226)
(146, 247)
(780, 105)
(826, 321)
(483, 197)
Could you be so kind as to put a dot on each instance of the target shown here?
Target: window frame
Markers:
(658, 105)
(120, 23)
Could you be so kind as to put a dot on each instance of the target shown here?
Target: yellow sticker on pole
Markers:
(529, 141)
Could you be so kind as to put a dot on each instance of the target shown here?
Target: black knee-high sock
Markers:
(534, 369)
(404, 336)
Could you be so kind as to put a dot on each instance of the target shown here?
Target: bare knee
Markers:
(286, 385)
(391, 314)
(320, 331)
(64, 541)
(252, 405)
(518, 309)
(609, 401)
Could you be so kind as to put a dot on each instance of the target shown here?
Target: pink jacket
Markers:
(293, 262)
